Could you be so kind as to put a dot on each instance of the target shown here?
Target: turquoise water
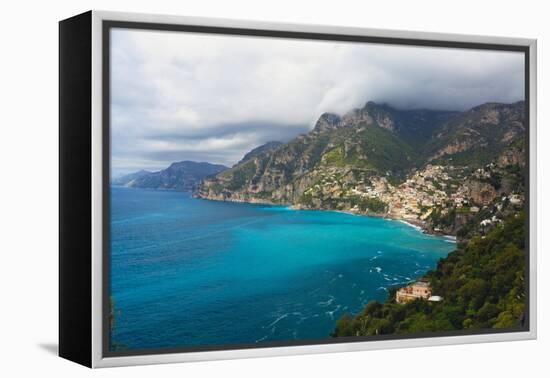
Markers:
(187, 272)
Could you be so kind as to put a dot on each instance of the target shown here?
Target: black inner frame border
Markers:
(107, 25)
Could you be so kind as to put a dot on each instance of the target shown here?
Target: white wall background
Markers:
(28, 190)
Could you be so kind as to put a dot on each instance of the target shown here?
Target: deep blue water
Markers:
(189, 272)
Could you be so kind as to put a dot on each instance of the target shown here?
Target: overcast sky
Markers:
(180, 96)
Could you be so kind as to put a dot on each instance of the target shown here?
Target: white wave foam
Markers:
(331, 313)
(327, 303)
(277, 320)
(411, 225)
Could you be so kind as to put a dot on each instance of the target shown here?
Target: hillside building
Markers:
(419, 289)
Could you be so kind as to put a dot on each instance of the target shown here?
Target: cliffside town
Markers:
(437, 170)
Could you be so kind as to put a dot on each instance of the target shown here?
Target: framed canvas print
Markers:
(235, 189)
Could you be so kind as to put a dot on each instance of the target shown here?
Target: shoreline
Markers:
(450, 238)
(412, 224)
(419, 225)
(416, 224)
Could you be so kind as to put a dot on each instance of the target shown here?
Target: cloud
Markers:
(177, 96)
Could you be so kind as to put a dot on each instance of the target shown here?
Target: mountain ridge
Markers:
(183, 176)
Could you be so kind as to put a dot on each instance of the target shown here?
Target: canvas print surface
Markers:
(278, 191)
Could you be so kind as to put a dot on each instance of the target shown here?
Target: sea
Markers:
(194, 273)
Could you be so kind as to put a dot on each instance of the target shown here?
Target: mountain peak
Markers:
(371, 114)
(327, 121)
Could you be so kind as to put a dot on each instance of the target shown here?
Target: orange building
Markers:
(419, 289)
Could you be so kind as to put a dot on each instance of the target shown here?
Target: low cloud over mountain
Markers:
(178, 96)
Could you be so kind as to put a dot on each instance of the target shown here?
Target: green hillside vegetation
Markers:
(238, 177)
(369, 147)
(482, 284)
(385, 150)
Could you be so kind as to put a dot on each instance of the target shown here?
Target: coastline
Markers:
(419, 225)
(253, 202)
(412, 224)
